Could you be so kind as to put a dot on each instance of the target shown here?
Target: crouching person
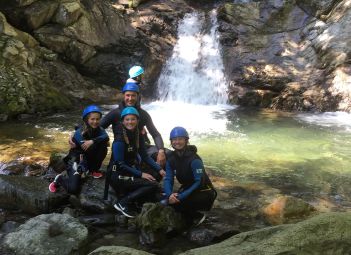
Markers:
(91, 148)
(196, 192)
(126, 177)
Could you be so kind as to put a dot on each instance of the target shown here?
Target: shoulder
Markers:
(143, 113)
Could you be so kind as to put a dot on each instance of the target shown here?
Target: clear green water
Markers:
(272, 148)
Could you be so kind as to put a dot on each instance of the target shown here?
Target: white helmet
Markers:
(135, 71)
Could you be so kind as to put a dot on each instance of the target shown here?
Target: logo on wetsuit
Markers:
(199, 171)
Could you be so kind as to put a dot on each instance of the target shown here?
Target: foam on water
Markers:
(341, 120)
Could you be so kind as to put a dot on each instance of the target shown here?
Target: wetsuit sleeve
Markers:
(169, 180)
(118, 157)
(153, 131)
(198, 169)
(102, 137)
(109, 118)
(78, 138)
(145, 157)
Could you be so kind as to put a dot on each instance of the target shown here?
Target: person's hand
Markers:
(71, 143)
(87, 144)
(148, 177)
(173, 199)
(161, 158)
(162, 173)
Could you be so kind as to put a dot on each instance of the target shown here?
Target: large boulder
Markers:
(328, 233)
(48, 234)
(29, 194)
(117, 250)
(155, 221)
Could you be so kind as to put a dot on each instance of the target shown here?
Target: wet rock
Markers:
(117, 250)
(316, 8)
(68, 13)
(48, 234)
(98, 220)
(40, 13)
(155, 221)
(14, 167)
(3, 117)
(328, 233)
(218, 226)
(287, 209)
(56, 161)
(9, 226)
(91, 196)
(29, 194)
(17, 3)
(34, 170)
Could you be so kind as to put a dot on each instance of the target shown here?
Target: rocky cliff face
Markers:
(55, 53)
(287, 54)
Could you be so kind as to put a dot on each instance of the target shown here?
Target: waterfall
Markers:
(195, 72)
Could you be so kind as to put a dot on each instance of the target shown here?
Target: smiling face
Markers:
(93, 119)
(130, 98)
(179, 143)
(130, 121)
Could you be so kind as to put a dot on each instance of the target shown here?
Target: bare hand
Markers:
(87, 144)
(162, 173)
(148, 177)
(161, 158)
(71, 143)
(173, 199)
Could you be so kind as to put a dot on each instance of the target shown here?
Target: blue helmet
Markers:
(90, 109)
(135, 71)
(178, 132)
(129, 110)
(130, 86)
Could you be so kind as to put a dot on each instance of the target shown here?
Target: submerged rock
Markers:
(287, 209)
(29, 194)
(328, 233)
(48, 234)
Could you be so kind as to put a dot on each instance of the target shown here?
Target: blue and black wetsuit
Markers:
(196, 192)
(92, 158)
(126, 148)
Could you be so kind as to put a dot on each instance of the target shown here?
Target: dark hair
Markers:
(87, 130)
(136, 132)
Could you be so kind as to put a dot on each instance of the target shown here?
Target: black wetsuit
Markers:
(113, 118)
(92, 158)
(196, 192)
(126, 174)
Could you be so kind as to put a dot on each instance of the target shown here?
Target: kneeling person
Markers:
(87, 156)
(126, 176)
(196, 192)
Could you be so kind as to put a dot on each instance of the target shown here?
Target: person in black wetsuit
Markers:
(87, 156)
(126, 176)
(196, 192)
(130, 98)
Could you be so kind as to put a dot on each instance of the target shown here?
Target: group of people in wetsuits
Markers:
(132, 182)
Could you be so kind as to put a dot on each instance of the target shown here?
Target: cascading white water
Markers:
(195, 73)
